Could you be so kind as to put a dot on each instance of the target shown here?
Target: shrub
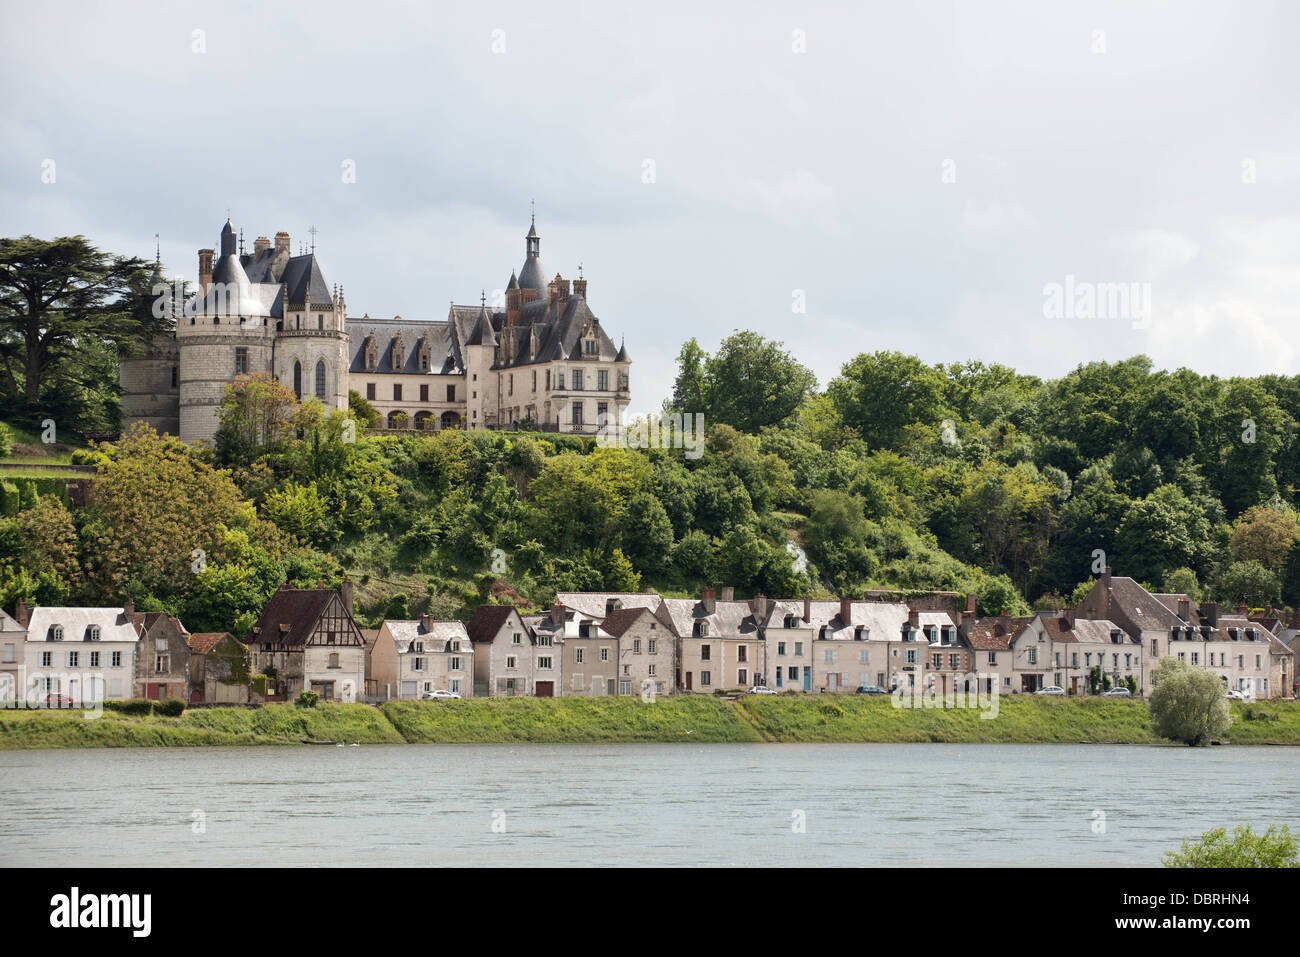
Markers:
(8, 499)
(1273, 848)
(6, 440)
(308, 699)
(171, 707)
(132, 706)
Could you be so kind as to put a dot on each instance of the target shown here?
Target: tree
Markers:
(61, 300)
(879, 395)
(753, 382)
(1247, 581)
(1187, 704)
(255, 416)
(1182, 581)
(690, 391)
(49, 540)
(1265, 534)
(1274, 848)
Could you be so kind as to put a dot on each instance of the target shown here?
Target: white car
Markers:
(760, 689)
(1237, 696)
(1054, 690)
(1117, 693)
(440, 696)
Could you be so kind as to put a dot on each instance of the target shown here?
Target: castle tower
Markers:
(225, 332)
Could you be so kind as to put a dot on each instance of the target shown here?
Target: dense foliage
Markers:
(901, 475)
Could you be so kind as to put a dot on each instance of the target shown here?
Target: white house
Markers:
(85, 654)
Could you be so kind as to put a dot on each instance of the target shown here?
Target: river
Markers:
(770, 804)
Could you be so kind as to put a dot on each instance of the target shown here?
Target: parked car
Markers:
(60, 701)
(1054, 690)
(761, 689)
(871, 689)
(1236, 695)
(440, 695)
(1117, 693)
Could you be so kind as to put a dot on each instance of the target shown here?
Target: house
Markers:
(163, 662)
(86, 654)
(647, 653)
(426, 656)
(989, 640)
(381, 670)
(1065, 649)
(719, 647)
(13, 655)
(588, 654)
(788, 643)
(220, 668)
(884, 644)
(507, 661)
(306, 639)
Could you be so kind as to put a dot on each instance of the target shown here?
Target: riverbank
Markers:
(687, 718)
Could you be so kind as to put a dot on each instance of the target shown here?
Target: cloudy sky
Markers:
(916, 173)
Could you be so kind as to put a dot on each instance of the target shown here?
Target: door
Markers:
(688, 681)
(807, 678)
(408, 689)
(779, 680)
(546, 689)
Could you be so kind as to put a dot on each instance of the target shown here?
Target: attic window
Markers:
(789, 621)
(589, 347)
(701, 629)
(92, 633)
(55, 633)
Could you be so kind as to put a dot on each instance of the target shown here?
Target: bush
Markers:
(170, 707)
(308, 699)
(1273, 848)
(6, 440)
(8, 499)
(137, 706)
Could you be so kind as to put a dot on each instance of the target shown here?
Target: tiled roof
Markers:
(204, 641)
(593, 604)
(618, 622)
(487, 621)
(291, 615)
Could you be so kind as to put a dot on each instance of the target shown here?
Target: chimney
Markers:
(580, 289)
(426, 622)
(846, 610)
(760, 606)
(1242, 608)
(1210, 613)
(128, 608)
(968, 616)
(260, 245)
(709, 600)
(1185, 609)
(913, 619)
(557, 614)
(346, 591)
(728, 593)
(282, 243)
(205, 269)
(22, 614)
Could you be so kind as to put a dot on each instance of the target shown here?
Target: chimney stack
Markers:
(913, 619)
(557, 614)
(1242, 607)
(760, 606)
(807, 610)
(846, 610)
(23, 614)
(205, 269)
(426, 622)
(128, 608)
(346, 591)
(728, 593)
(1185, 609)
(1210, 613)
(709, 600)
(260, 245)
(580, 288)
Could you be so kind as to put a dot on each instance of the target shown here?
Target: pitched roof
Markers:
(291, 615)
(487, 621)
(114, 625)
(995, 633)
(593, 604)
(444, 356)
(204, 641)
(438, 633)
(618, 622)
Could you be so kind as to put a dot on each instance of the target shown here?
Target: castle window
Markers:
(577, 380)
(320, 379)
(397, 392)
(297, 378)
(241, 360)
(370, 391)
(424, 393)
(589, 347)
(320, 322)
(451, 393)
(176, 372)
(602, 380)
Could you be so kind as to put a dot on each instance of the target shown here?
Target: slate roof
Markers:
(729, 619)
(592, 604)
(9, 623)
(114, 625)
(1084, 630)
(1144, 610)
(618, 622)
(444, 357)
(487, 621)
(291, 616)
(437, 635)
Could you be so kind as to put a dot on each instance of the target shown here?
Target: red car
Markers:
(59, 701)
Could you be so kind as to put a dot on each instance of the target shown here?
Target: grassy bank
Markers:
(692, 718)
(688, 718)
(274, 724)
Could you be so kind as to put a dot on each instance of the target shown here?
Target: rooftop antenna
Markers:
(532, 205)
(482, 297)
(157, 250)
(241, 240)
(313, 230)
(579, 270)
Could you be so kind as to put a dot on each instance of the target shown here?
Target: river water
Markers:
(632, 804)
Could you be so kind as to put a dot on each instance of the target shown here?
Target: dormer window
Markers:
(92, 633)
(1252, 634)
(701, 629)
(398, 352)
(55, 633)
(789, 621)
(1234, 634)
(372, 354)
(417, 647)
